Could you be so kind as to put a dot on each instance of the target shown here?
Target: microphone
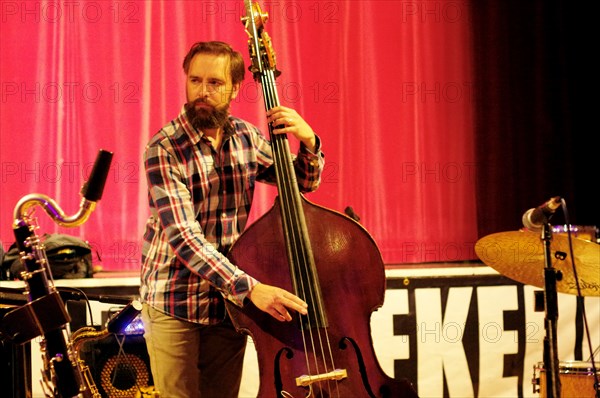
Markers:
(534, 219)
(73, 295)
(119, 322)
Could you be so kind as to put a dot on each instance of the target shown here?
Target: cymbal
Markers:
(519, 255)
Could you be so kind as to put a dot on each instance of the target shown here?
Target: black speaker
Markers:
(15, 363)
(119, 366)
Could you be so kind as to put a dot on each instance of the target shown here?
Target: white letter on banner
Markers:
(495, 342)
(389, 347)
(438, 347)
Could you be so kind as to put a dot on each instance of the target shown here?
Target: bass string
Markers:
(303, 271)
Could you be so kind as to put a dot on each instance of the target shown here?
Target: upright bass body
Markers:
(352, 279)
(323, 257)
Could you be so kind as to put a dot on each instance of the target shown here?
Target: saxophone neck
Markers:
(91, 193)
(22, 212)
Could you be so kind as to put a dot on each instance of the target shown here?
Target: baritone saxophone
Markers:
(63, 376)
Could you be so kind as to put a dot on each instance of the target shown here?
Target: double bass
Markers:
(324, 257)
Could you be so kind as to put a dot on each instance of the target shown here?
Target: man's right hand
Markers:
(276, 301)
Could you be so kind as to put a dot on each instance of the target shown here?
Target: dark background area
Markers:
(535, 137)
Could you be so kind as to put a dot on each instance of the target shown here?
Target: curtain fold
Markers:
(386, 84)
(532, 137)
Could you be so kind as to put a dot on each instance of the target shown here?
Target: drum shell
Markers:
(585, 232)
(576, 379)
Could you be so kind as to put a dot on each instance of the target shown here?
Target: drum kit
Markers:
(573, 256)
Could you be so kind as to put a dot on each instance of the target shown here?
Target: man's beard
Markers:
(207, 118)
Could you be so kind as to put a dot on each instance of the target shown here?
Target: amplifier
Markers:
(119, 365)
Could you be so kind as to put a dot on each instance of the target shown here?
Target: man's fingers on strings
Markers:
(296, 303)
(281, 315)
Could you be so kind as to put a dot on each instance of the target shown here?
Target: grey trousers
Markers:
(189, 360)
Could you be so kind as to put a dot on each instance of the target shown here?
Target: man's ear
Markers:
(235, 90)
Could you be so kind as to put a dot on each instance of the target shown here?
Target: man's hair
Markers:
(236, 62)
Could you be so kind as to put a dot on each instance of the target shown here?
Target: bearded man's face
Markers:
(209, 91)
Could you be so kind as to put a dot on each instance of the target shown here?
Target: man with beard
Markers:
(201, 170)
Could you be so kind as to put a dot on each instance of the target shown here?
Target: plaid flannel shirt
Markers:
(200, 200)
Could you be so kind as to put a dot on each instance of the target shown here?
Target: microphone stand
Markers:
(551, 362)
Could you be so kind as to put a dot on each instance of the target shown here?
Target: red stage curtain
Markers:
(387, 84)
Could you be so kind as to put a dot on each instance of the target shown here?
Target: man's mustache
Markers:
(201, 101)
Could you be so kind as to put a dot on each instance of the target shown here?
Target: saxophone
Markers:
(63, 376)
(78, 337)
(88, 333)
